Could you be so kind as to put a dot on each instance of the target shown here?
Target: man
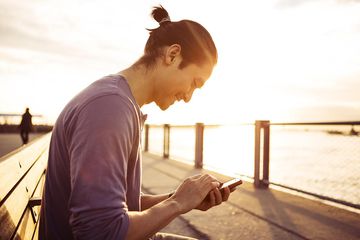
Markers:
(25, 126)
(93, 179)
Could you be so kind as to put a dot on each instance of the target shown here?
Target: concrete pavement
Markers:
(250, 213)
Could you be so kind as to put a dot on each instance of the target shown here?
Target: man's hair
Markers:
(197, 45)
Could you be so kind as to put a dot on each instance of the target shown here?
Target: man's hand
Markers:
(200, 192)
(215, 197)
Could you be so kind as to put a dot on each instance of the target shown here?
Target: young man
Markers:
(93, 179)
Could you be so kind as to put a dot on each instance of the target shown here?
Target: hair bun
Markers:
(160, 15)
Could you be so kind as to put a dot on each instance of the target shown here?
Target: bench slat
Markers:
(16, 204)
(13, 168)
(27, 226)
(36, 233)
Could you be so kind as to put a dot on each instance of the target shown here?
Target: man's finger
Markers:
(218, 197)
(225, 193)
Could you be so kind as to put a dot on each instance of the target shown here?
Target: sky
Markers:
(279, 60)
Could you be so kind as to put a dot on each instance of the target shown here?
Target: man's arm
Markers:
(142, 225)
(147, 201)
(98, 168)
(189, 195)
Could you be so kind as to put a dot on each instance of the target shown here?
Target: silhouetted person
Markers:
(25, 126)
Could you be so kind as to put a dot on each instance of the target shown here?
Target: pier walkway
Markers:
(250, 213)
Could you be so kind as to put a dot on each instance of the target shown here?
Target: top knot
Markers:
(160, 15)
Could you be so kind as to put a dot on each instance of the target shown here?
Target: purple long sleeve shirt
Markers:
(93, 176)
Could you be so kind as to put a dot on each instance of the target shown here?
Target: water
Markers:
(11, 141)
(308, 159)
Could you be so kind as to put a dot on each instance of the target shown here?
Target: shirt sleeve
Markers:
(99, 150)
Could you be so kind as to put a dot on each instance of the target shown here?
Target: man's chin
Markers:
(164, 106)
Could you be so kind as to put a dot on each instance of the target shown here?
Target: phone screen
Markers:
(232, 183)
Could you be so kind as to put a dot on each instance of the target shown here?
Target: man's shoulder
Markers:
(104, 88)
(111, 85)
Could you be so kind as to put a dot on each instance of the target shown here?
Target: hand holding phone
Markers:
(231, 184)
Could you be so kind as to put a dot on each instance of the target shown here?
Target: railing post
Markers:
(146, 140)
(257, 154)
(166, 141)
(262, 181)
(199, 144)
(266, 153)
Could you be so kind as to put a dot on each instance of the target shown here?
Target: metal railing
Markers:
(262, 133)
(261, 170)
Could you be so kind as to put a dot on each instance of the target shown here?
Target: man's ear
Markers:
(172, 54)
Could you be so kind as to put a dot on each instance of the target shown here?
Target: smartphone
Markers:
(231, 184)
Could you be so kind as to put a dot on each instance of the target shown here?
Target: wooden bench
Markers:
(22, 176)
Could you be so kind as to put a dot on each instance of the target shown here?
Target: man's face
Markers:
(179, 84)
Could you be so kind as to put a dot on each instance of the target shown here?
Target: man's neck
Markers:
(140, 81)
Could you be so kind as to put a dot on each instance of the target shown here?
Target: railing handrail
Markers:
(182, 126)
(319, 123)
(271, 123)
